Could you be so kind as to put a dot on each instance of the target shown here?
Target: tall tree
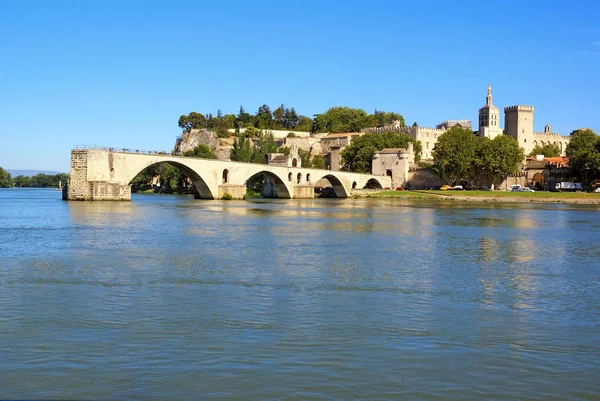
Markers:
(242, 150)
(583, 152)
(497, 158)
(5, 179)
(454, 153)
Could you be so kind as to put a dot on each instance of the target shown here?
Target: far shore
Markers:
(583, 198)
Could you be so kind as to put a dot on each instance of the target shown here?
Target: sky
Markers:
(119, 73)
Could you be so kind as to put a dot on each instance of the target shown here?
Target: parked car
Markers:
(445, 187)
(525, 189)
(484, 188)
(458, 188)
(399, 189)
(514, 187)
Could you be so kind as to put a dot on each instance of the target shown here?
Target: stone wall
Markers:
(424, 179)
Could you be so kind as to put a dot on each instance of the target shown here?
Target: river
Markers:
(167, 297)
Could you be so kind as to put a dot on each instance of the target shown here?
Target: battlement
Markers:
(553, 135)
(510, 109)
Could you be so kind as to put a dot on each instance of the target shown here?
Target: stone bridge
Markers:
(105, 174)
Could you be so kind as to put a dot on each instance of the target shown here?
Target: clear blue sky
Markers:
(121, 72)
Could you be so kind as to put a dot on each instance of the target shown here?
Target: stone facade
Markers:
(340, 140)
(394, 163)
(427, 136)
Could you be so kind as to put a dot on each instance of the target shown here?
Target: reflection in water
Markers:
(174, 297)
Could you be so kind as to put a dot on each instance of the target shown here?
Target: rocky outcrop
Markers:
(194, 137)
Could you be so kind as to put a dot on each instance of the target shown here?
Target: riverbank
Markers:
(494, 196)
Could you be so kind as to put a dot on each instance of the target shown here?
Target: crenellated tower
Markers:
(518, 123)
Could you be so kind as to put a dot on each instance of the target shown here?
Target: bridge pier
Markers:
(80, 187)
(236, 191)
(304, 192)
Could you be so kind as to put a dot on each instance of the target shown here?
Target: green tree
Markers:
(304, 124)
(497, 158)
(5, 179)
(242, 150)
(342, 119)
(548, 150)
(357, 156)
(454, 154)
(192, 120)
(305, 158)
(583, 152)
(318, 161)
(202, 151)
(265, 145)
(22, 181)
(382, 118)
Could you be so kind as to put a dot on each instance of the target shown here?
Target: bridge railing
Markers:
(120, 150)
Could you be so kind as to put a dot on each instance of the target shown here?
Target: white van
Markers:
(514, 188)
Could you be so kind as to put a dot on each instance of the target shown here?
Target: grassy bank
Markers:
(491, 196)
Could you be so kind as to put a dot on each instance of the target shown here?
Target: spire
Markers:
(488, 99)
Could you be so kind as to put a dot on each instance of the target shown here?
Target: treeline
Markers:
(336, 119)
(37, 181)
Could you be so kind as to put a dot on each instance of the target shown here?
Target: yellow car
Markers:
(445, 188)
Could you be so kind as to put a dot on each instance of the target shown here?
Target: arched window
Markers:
(290, 177)
(294, 162)
(388, 173)
(307, 177)
(354, 185)
(299, 178)
(225, 176)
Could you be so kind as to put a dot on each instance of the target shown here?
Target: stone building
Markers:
(395, 163)
(280, 159)
(338, 140)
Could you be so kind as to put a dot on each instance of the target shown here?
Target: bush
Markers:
(227, 196)
(291, 135)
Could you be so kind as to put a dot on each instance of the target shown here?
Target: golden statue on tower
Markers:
(489, 90)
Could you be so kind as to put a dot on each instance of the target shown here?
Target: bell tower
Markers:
(489, 118)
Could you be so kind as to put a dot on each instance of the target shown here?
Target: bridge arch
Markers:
(281, 189)
(338, 187)
(197, 180)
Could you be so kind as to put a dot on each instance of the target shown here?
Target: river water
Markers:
(171, 297)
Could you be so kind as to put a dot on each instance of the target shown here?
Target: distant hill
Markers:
(31, 173)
